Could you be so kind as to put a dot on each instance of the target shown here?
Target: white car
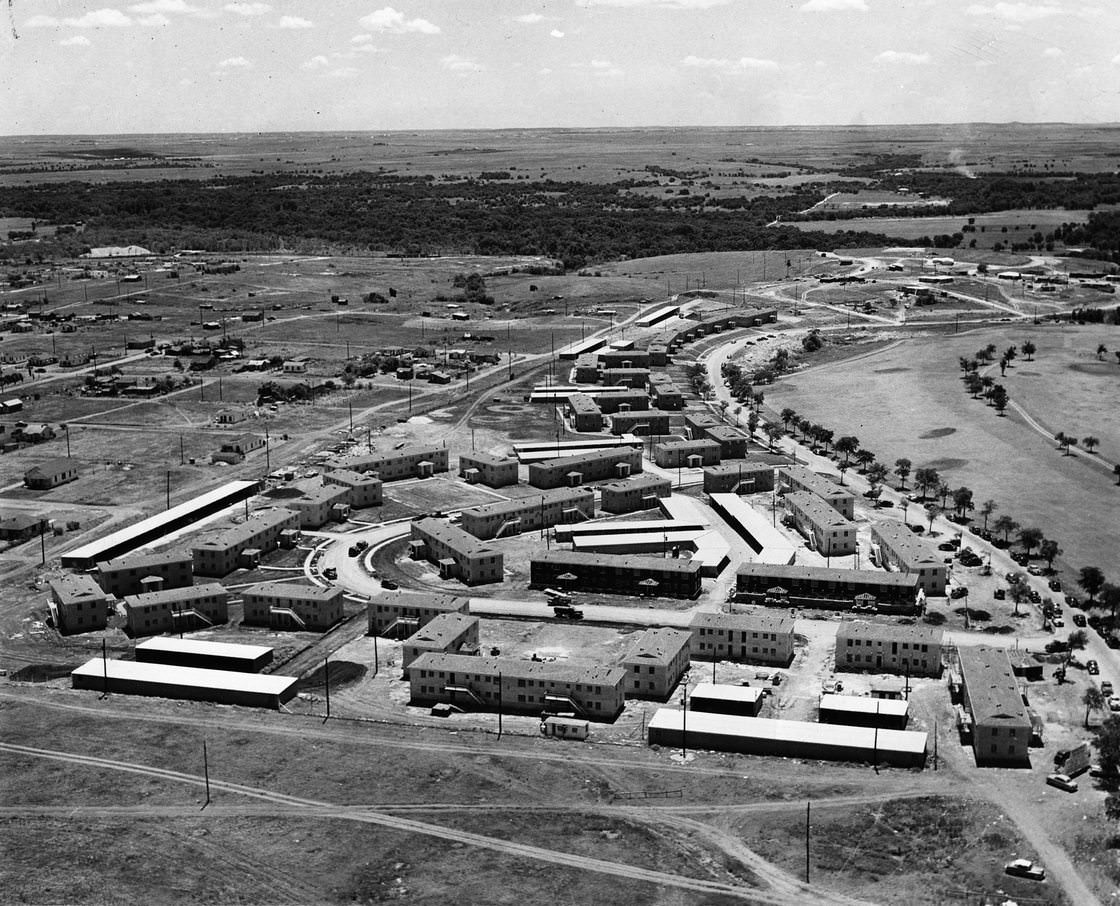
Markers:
(1062, 782)
(1114, 703)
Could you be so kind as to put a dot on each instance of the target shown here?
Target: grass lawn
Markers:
(908, 401)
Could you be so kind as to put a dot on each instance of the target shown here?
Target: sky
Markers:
(114, 66)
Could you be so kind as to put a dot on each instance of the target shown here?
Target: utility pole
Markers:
(500, 703)
(181, 458)
(327, 683)
(168, 489)
(206, 773)
(350, 405)
(43, 544)
(376, 662)
(808, 812)
(67, 441)
(684, 718)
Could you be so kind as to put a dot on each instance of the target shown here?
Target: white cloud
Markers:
(164, 6)
(1053, 52)
(235, 63)
(529, 18)
(294, 22)
(903, 56)
(556, 33)
(1116, 60)
(343, 72)
(316, 62)
(361, 39)
(156, 20)
(97, 18)
(668, 4)
(835, 6)
(743, 64)
(389, 20)
(1014, 12)
(456, 63)
(247, 9)
(76, 41)
(605, 68)
(545, 71)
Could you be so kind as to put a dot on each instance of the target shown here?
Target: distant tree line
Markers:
(576, 223)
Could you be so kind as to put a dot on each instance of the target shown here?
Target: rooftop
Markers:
(825, 574)
(442, 630)
(350, 477)
(860, 704)
(70, 589)
(812, 481)
(528, 502)
(145, 561)
(292, 590)
(993, 692)
(583, 672)
(257, 522)
(175, 595)
(889, 632)
(637, 482)
(660, 645)
(737, 467)
(454, 537)
(704, 444)
(487, 459)
(817, 510)
(906, 545)
(203, 648)
(193, 677)
(726, 692)
(743, 622)
(55, 466)
(576, 559)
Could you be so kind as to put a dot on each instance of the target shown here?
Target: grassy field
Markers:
(1004, 226)
(908, 401)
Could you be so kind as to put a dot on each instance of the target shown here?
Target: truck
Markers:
(566, 612)
(558, 598)
(1074, 761)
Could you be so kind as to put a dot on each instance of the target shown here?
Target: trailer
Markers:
(565, 728)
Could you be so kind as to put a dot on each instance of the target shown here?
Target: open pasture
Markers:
(1006, 227)
(908, 400)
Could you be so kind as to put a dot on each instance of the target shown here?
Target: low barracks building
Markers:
(837, 589)
(176, 609)
(50, 474)
(752, 638)
(655, 663)
(525, 514)
(132, 575)
(899, 547)
(732, 442)
(831, 534)
(1001, 726)
(318, 506)
(799, 478)
(80, 605)
(361, 490)
(621, 575)
(687, 454)
(494, 471)
(591, 691)
(401, 615)
(448, 633)
(644, 424)
(887, 648)
(739, 478)
(631, 494)
(283, 605)
(612, 401)
(221, 554)
(408, 462)
(585, 414)
(458, 555)
(570, 471)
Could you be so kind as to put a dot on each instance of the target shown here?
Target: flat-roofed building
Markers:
(318, 506)
(830, 589)
(724, 698)
(686, 454)
(50, 474)
(611, 574)
(612, 401)
(655, 662)
(732, 442)
(889, 648)
(145, 572)
(587, 690)
(585, 413)
(787, 738)
(176, 609)
(394, 465)
(448, 633)
(227, 687)
(204, 654)
(580, 347)
(665, 393)
(800, 478)
(235, 451)
(221, 553)
(904, 551)
(286, 605)
(861, 711)
(571, 471)
(631, 494)
(644, 423)
(625, 377)
(585, 369)
(764, 539)
(698, 422)
(623, 358)
(361, 490)
(1001, 725)
(494, 471)
(761, 638)
(79, 604)
(832, 535)
(742, 477)
(458, 554)
(399, 615)
(560, 506)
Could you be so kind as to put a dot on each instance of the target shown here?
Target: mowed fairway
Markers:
(908, 401)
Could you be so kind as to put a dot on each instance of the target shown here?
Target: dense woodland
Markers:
(576, 223)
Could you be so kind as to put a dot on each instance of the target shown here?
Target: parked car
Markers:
(1062, 782)
(389, 585)
(1112, 641)
(830, 687)
(958, 591)
(1057, 647)
(1000, 594)
(1092, 668)
(1035, 570)
(1025, 868)
(1059, 622)
(330, 573)
(1079, 619)
(1106, 687)
(1114, 703)
(945, 546)
(1055, 584)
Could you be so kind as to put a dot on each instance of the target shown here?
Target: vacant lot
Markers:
(1005, 226)
(908, 401)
